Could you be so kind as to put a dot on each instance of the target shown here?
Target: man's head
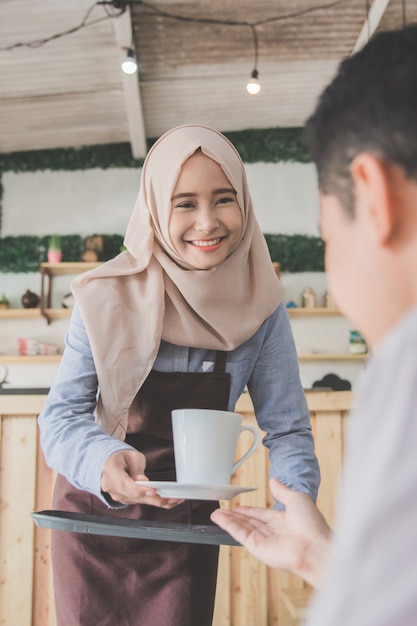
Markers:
(363, 139)
(371, 106)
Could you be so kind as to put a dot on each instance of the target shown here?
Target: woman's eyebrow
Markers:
(193, 195)
(226, 190)
(183, 195)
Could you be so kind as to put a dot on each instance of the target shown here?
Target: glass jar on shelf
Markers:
(328, 300)
(308, 298)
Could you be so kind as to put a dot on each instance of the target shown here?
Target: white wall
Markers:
(100, 201)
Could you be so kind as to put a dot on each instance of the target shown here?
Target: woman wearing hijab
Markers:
(188, 316)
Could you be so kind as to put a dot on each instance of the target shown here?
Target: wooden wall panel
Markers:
(43, 606)
(328, 437)
(17, 497)
(247, 591)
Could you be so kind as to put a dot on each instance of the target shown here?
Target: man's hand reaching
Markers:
(296, 540)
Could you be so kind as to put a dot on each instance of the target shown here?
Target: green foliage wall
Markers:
(26, 253)
(295, 253)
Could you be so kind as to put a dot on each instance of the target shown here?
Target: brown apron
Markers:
(117, 581)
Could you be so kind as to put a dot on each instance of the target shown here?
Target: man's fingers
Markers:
(227, 521)
(237, 524)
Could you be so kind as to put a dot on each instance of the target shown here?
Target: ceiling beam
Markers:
(371, 23)
(131, 87)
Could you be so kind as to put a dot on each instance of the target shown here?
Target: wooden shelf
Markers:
(58, 314)
(20, 314)
(63, 268)
(35, 358)
(48, 271)
(332, 357)
(62, 313)
(313, 312)
(14, 358)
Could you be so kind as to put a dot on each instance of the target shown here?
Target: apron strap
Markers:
(220, 361)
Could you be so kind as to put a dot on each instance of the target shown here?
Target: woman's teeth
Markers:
(202, 244)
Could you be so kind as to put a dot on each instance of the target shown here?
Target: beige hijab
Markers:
(148, 293)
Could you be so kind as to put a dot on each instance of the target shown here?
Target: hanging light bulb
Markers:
(129, 65)
(254, 86)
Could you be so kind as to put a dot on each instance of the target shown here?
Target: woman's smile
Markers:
(207, 245)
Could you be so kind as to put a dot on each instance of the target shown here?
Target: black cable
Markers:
(255, 46)
(116, 8)
(84, 23)
(323, 7)
(404, 13)
(208, 20)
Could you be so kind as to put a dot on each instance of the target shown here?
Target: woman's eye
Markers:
(225, 200)
(184, 205)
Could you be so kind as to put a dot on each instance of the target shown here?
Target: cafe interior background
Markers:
(74, 129)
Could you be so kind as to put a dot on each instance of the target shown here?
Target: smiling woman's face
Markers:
(206, 221)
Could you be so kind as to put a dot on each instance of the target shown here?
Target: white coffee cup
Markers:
(205, 442)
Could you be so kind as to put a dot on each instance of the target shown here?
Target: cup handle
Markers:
(252, 449)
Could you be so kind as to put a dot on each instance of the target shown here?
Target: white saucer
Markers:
(171, 489)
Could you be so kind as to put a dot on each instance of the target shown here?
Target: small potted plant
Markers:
(54, 250)
(4, 303)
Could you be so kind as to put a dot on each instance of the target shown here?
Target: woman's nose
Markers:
(206, 220)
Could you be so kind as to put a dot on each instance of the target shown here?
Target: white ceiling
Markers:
(71, 92)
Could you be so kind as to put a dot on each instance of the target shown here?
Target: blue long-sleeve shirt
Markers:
(76, 447)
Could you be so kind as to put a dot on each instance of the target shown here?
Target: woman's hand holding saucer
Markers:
(120, 471)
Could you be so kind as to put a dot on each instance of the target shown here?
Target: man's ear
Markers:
(373, 194)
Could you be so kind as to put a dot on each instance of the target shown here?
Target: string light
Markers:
(115, 8)
(254, 86)
(129, 65)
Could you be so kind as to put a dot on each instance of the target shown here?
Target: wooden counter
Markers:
(248, 591)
